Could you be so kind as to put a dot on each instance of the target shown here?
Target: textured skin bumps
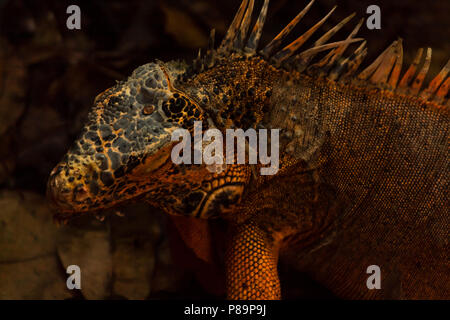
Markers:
(258, 280)
(234, 94)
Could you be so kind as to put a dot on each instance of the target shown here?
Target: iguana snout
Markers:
(59, 195)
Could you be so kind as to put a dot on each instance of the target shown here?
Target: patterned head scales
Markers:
(125, 139)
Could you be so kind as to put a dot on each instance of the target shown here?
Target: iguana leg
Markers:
(251, 265)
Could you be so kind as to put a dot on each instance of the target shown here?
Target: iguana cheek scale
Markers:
(363, 158)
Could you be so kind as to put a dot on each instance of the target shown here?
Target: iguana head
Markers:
(124, 151)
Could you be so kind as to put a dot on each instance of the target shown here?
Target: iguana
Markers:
(363, 159)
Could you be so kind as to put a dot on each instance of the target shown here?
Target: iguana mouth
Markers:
(70, 198)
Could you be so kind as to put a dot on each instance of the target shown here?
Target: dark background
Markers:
(49, 76)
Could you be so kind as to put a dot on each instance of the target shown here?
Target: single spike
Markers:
(198, 63)
(333, 31)
(210, 59)
(312, 51)
(360, 48)
(411, 70)
(381, 75)
(234, 27)
(212, 39)
(395, 75)
(366, 73)
(356, 62)
(198, 56)
(255, 36)
(275, 43)
(355, 58)
(346, 64)
(303, 58)
(210, 53)
(337, 53)
(290, 49)
(239, 40)
(417, 84)
(436, 82)
(340, 67)
(442, 91)
(324, 61)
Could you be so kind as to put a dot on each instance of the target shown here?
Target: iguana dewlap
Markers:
(364, 159)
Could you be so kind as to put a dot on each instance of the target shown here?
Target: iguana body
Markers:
(363, 177)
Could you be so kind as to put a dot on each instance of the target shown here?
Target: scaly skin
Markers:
(380, 176)
(362, 176)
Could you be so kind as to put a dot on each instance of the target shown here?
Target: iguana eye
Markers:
(148, 110)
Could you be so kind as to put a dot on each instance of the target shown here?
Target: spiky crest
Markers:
(383, 72)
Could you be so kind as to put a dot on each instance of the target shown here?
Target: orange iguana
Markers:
(364, 159)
